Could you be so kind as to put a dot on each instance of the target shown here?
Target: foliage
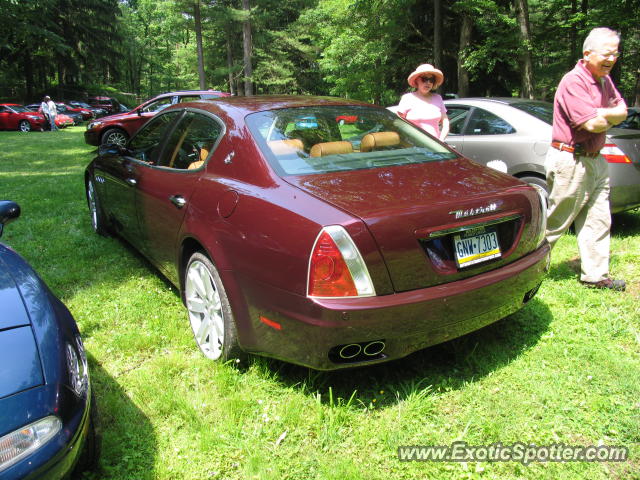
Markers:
(561, 371)
(360, 49)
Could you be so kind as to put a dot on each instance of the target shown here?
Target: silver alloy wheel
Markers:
(25, 126)
(115, 137)
(204, 306)
(93, 207)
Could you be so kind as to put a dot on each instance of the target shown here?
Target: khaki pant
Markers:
(579, 189)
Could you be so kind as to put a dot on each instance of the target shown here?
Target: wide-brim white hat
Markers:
(426, 68)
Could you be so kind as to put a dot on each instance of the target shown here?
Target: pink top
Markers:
(577, 98)
(423, 113)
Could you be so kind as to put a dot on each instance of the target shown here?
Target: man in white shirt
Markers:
(48, 109)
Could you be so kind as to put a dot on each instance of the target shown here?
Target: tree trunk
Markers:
(437, 33)
(232, 82)
(198, 21)
(526, 65)
(465, 40)
(28, 73)
(247, 46)
(573, 35)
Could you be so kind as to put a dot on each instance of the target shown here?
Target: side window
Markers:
(158, 105)
(483, 122)
(146, 145)
(188, 98)
(191, 142)
(457, 118)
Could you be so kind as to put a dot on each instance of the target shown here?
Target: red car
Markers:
(116, 129)
(18, 117)
(63, 121)
(342, 119)
(328, 246)
(108, 104)
(86, 113)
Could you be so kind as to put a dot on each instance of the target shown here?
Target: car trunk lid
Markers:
(414, 213)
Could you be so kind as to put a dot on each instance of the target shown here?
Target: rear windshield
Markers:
(308, 140)
(541, 110)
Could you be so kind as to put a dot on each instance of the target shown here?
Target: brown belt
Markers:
(575, 150)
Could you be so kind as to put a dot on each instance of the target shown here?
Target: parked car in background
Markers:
(108, 104)
(76, 116)
(63, 120)
(330, 246)
(87, 113)
(18, 117)
(97, 112)
(633, 119)
(516, 133)
(67, 118)
(342, 119)
(116, 129)
(48, 415)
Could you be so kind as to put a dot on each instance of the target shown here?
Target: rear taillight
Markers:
(336, 268)
(613, 154)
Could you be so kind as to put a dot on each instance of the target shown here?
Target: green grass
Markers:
(565, 369)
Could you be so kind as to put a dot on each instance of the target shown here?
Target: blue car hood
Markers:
(20, 366)
(13, 313)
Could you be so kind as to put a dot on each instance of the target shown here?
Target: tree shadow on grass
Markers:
(129, 446)
(447, 366)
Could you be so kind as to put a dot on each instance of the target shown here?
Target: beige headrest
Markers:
(330, 148)
(284, 147)
(372, 141)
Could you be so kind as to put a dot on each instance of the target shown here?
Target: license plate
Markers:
(475, 246)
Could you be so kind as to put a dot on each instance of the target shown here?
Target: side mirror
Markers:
(9, 211)
(112, 149)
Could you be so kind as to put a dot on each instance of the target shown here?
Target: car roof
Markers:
(497, 100)
(260, 103)
(201, 92)
(11, 104)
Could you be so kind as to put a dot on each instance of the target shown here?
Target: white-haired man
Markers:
(586, 105)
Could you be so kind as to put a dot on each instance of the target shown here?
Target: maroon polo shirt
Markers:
(577, 98)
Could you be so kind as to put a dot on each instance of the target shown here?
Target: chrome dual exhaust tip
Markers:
(361, 351)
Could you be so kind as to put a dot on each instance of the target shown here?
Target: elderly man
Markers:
(586, 105)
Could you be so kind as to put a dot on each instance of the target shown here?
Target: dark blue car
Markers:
(47, 414)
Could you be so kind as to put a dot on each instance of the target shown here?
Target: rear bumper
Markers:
(310, 330)
(625, 187)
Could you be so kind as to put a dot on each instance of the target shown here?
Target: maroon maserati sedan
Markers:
(324, 243)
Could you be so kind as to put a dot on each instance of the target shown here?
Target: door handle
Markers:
(131, 181)
(178, 200)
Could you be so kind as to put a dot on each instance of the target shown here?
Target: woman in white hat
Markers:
(424, 108)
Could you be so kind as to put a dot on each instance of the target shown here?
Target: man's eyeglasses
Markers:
(609, 55)
(428, 79)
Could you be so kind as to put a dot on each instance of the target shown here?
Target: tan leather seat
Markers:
(285, 147)
(204, 153)
(373, 141)
(331, 148)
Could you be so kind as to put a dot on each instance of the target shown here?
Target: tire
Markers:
(115, 136)
(538, 182)
(90, 455)
(24, 126)
(98, 222)
(209, 311)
